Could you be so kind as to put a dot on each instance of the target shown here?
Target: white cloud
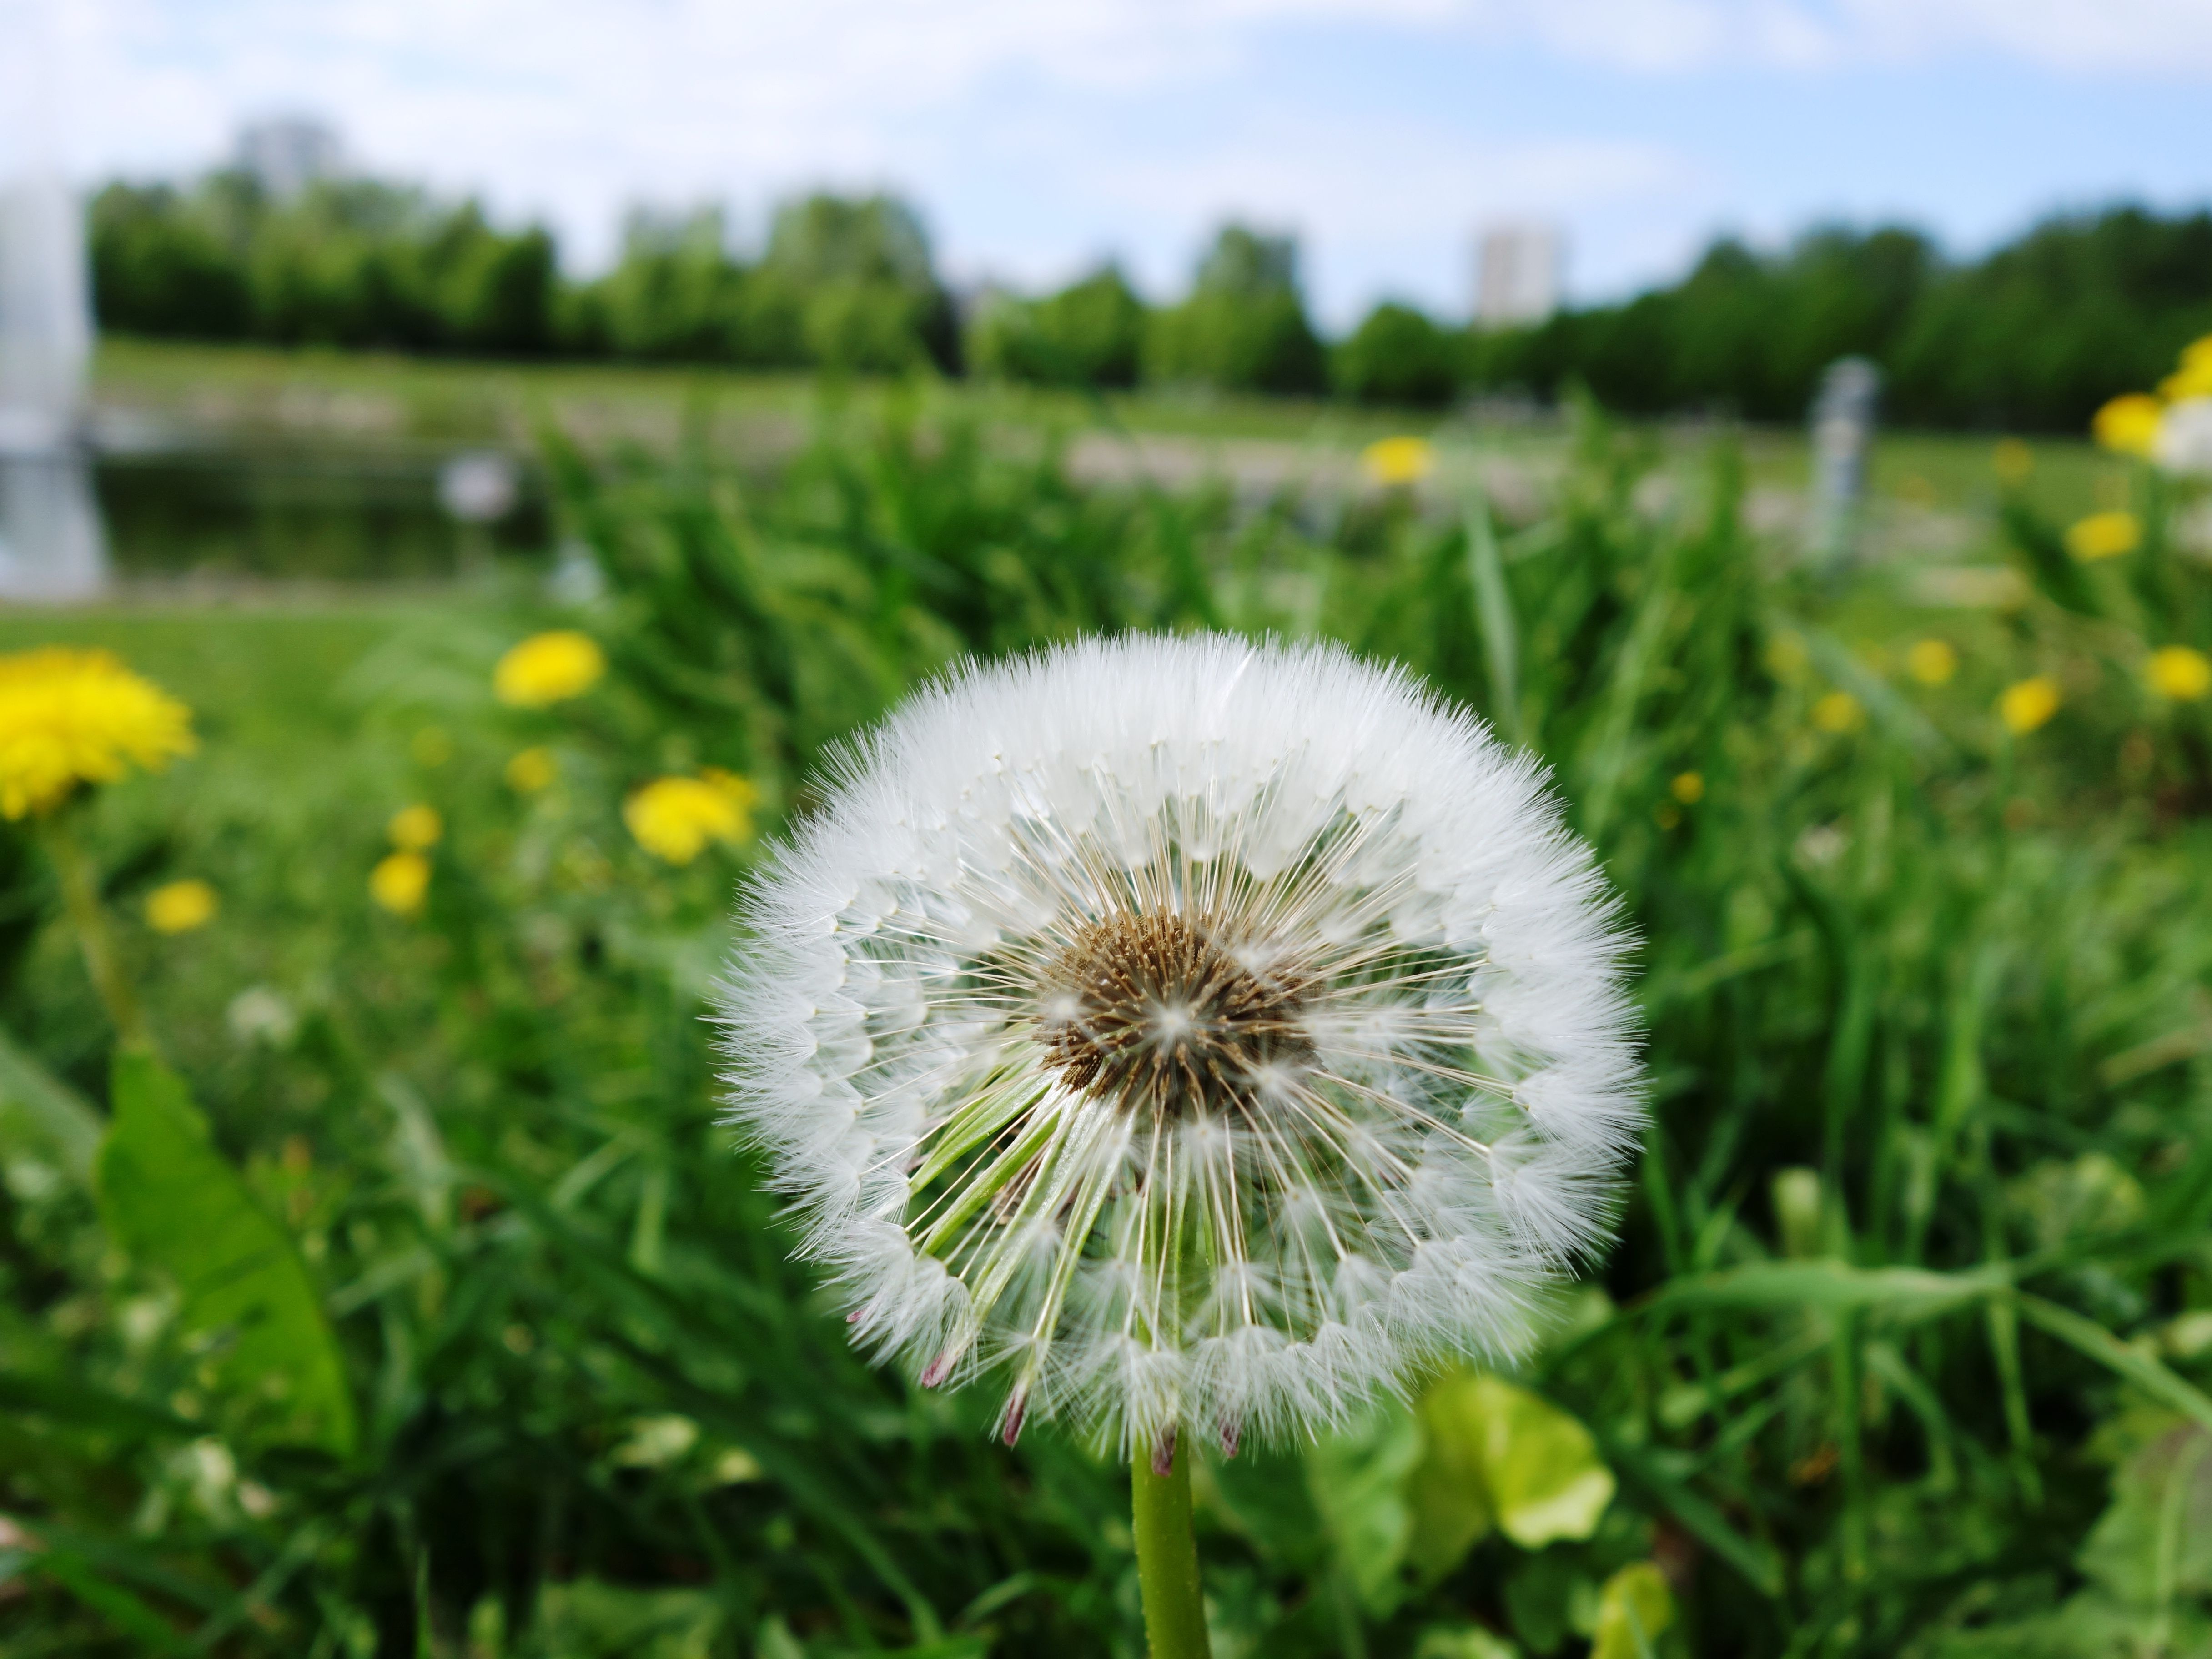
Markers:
(570, 109)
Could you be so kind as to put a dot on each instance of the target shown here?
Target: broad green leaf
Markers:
(1448, 1491)
(1634, 1607)
(1358, 1480)
(171, 1201)
(36, 1104)
(589, 1618)
(2155, 1542)
(1463, 1642)
(1827, 1285)
(2088, 1337)
(1544, 1476)
(1501, 647)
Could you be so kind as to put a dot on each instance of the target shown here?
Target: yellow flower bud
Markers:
(532, 770)
(2104, 536)
(2179, 672)
(415, 829)
(2026, 704)
(1932, 662)
(178, 907)
(400, 882)
(1838, 712)
(549, 668)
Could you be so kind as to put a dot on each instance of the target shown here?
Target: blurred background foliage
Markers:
(2032, 337)
(1903, 1347)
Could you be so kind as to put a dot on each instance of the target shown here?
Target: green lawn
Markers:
(256, 390)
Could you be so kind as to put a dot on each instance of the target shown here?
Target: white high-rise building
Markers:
(288, 153)
(1517, 275)
(51, 542)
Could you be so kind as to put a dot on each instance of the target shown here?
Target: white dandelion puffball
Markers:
(2184, 437)
(1194, 1035)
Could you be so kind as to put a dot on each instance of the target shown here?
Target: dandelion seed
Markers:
(70, 718)
(549, 668)
(2184, 437)
(178, 907)
(1194, 1037)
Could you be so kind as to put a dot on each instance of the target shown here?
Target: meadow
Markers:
(1904, 1346)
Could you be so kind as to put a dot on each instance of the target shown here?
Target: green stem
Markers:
(1167, 1556)
(81, 895)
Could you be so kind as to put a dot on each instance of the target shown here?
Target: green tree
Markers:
(1089, 333)
(1396, 355)
(1244, 326)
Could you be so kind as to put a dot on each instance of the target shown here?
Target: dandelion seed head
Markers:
(1187, 1035)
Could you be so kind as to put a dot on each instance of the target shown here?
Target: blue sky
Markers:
(1038, 135)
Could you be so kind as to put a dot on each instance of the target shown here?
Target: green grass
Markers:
(1904, 1348)
(260, 392)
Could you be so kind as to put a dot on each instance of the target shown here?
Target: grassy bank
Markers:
(1903, 1349)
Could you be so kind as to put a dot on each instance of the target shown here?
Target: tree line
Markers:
(2034, 335)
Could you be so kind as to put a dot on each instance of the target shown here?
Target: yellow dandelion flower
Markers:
(178, 907)
(549, 668)
(1838, 712)
(2129, 423)
(415, 829)
(2013, 461)
(2194, 378)
(73, 717)
(674, 818)
(1932, 662)
(2104, 536)
(1688, 788)
(2179, 672)
(1787, 657)
(1394, 461)
(400, 882)
(2026, 704)
(532, 770)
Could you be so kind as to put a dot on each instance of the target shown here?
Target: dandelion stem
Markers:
(81, 895)
(1167, 1555)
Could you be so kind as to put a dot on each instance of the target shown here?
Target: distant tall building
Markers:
(288, 153)
(51, 543)
(1517, 277)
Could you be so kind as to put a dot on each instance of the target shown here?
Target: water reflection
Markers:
(276, 510)
(52, 546)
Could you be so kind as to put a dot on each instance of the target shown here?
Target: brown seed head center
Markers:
(1157, 1011)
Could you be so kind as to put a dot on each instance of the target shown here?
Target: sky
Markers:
(1038, 137)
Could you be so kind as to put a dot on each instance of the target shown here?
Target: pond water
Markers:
(295, 510)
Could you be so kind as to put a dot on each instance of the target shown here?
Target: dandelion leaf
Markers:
(1449, 1490)
(1359, 1480)
(173, 1202)
(2155, 1539)
(589, 1618)
(1540, 1468)
(1634, 1608)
